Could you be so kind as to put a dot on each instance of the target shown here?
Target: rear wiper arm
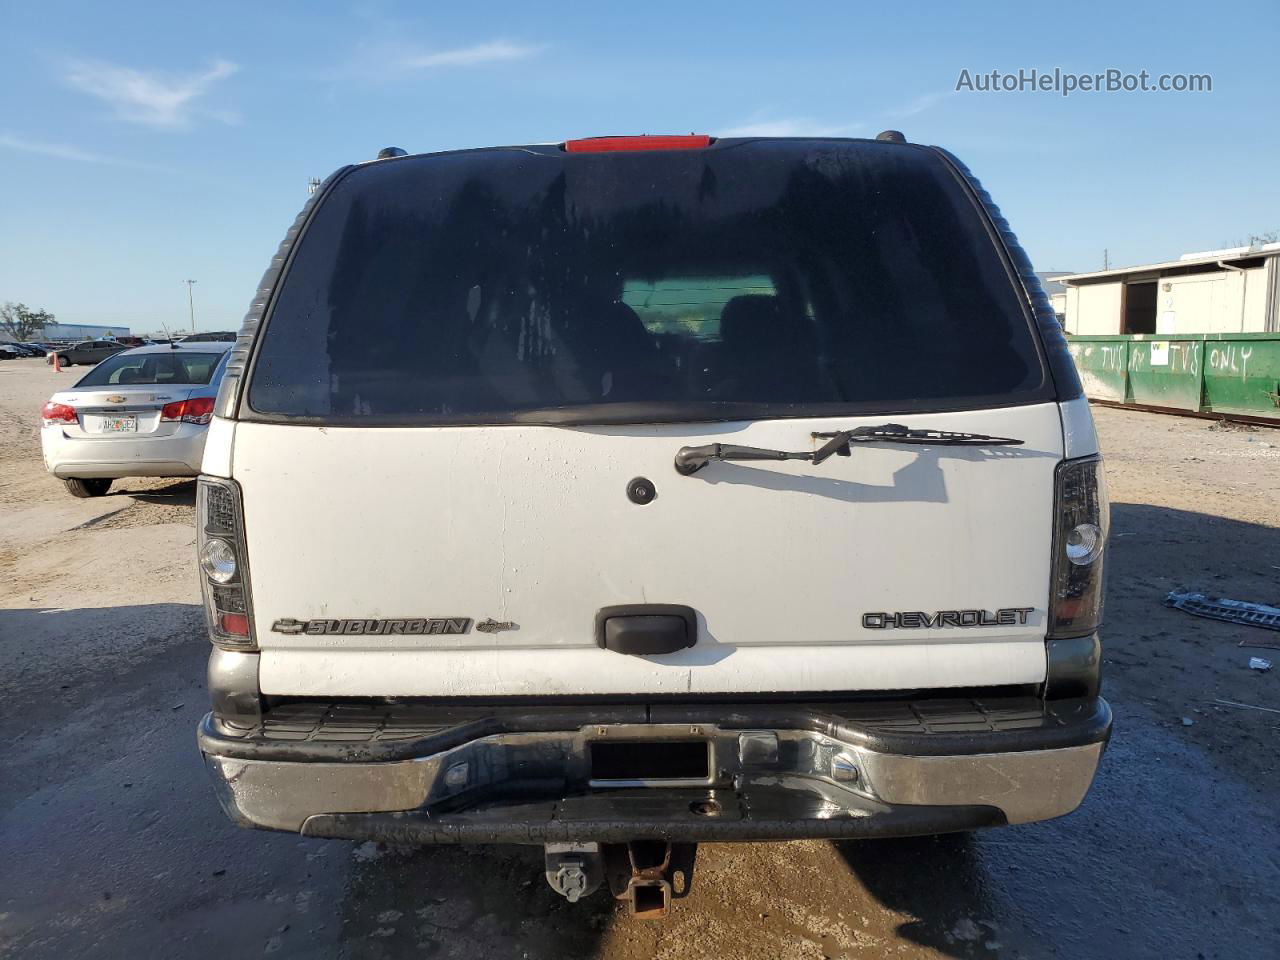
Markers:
(898, 433)
(690, 460)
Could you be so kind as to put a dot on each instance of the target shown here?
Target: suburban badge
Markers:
(422, 626)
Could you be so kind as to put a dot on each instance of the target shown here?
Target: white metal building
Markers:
(1054, 290)
(1236, 290)
(82, 331)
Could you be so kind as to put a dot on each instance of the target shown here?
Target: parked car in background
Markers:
(212, 336)
(140, 413)
(88, 351)
(9, 352)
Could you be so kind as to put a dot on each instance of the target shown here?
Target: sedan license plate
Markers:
(120, 425)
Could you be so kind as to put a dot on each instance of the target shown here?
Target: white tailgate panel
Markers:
(531, 524)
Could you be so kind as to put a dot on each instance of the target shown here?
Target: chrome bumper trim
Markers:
(1024, 786)
(1027, 786)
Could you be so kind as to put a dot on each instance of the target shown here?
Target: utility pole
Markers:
(1106, 259)
(191, 303)
(313, 185)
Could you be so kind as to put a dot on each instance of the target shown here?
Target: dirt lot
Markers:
(111, 843)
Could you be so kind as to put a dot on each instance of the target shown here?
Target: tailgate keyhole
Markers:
(641, 491)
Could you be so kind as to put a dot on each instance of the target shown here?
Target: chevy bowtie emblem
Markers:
(496, 626)
(115, 399)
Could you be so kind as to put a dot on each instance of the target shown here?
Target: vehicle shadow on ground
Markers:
(177, 492)
(46, 650)
(462, 902)
(938, 881)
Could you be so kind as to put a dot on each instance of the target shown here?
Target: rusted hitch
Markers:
(644, 874)
(647, 874)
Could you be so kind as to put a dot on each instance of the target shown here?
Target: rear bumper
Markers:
(773, 773)
(176, 455)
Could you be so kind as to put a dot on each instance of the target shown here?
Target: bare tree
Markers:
(1266, 236)
(21, 322)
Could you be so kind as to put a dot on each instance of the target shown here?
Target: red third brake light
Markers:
(694, 141)
(58, 413)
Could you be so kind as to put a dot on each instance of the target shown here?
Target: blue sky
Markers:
(143, 144)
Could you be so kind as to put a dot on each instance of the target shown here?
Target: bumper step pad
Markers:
(346, 731)
(758, 814)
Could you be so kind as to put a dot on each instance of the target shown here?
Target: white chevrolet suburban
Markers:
(624, 493)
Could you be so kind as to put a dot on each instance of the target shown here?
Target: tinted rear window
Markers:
(750, 279)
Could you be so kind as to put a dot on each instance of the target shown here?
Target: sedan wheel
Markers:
(88, 487)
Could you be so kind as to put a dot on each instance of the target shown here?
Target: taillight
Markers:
(236, 624)
(195, 410)
(199, 410)
(58, 413)
(694, 141)
(223, 559)
(1079, 546)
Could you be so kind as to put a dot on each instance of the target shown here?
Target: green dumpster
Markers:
(1166, 372)
(1237, 374)
(1103, 363)
(1242, 374)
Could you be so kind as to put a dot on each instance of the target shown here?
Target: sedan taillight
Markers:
(195, 410)
(58, 413)
(199, 410)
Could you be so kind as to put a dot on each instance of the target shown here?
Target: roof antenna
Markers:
(386, 153)
(168, 336)
(891, 136)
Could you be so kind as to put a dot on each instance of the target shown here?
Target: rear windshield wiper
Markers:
(692, 459)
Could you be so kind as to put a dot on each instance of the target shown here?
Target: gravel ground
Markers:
(111, 843)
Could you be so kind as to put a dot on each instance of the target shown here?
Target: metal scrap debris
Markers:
(1254, 643)
(1245, 706)
(1261, 664)
(1223, 608)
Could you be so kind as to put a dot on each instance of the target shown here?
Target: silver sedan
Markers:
(141, 413)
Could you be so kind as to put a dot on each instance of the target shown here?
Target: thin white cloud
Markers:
(495, 51)
(156, 99)
(790, 127)
(919, 105)
(62, 151)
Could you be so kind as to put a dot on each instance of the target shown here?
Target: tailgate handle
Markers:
(646, 629)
